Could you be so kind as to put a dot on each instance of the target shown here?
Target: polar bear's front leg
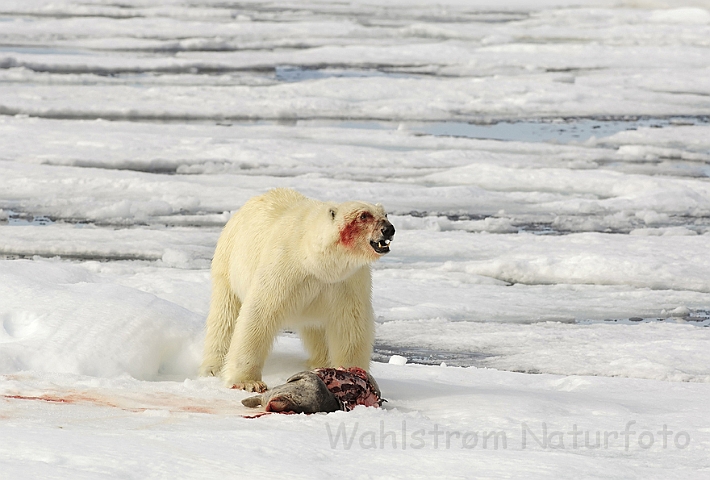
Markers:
(350, 332)
(251, 342)
(260, 319)
(350, 340)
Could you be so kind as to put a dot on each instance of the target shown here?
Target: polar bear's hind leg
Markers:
(224, 310)
(313, 339)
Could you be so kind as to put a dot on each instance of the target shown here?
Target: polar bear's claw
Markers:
(250, 386)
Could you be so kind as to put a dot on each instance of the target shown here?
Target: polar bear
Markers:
(287, 260)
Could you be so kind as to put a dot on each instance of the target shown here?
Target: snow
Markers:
(163, 337)
(545, 165)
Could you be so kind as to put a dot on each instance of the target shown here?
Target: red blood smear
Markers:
(257, 415)
(80, 398)
(349, 233)
(68, 398)
(45, 398)
(193, 409)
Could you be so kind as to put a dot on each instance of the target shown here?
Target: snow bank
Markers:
(58, 318)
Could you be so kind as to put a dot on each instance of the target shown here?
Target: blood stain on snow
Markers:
(195, 409)
(103, 402)
(45, 398)
(72, 398)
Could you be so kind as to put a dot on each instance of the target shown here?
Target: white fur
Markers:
(281, 261)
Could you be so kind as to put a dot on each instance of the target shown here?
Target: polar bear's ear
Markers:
(332, 213)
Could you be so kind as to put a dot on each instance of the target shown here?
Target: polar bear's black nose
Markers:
(388, 230)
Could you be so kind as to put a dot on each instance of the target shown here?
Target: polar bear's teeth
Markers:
(387, 242)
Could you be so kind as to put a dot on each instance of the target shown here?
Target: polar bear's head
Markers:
(363, 228)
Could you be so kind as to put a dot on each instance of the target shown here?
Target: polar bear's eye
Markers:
(365, 216)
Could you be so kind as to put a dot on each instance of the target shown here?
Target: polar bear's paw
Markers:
(250, 386)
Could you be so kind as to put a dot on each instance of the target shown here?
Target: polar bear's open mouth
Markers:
(381, 246)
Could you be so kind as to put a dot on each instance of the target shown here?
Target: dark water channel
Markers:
(554, 130)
